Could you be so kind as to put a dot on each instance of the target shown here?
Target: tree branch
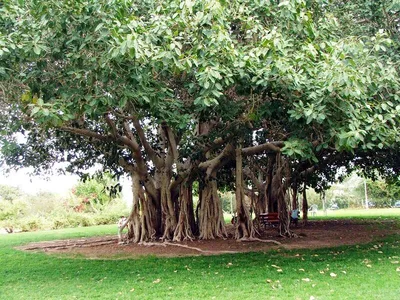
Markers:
(212, 164)
(272, 146)
(86, 132)
(253, 178)
(153, 155)
(129, 139)
(308, 171)
(112, 125)
(172, 142)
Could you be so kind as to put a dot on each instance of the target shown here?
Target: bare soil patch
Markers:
(316, 234)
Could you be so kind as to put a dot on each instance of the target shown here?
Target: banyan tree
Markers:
(176, 92)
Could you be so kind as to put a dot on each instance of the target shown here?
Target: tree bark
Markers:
(305, 206)
(279, 192)
(272, 202)
(142, 220)
(259, 200)
(186, 228)
(210, 214)
(169, 220)
(295, 204)
(244, 226)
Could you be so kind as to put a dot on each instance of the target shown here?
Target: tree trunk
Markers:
(142, 220)
(305, 206)
(169, 220)
(244, 226)
(279, 192)
(211, 219)
(272, 202)
(295, 203)
(186, 227)
(261, 203)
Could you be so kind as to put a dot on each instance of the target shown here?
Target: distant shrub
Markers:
(32, 223)
(49, 211)
(81, 220)
(12, 210)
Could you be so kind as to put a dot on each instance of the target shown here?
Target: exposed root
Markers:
(254, 239)
(289, 235)
(58, 245)
(200, 250)
(149, 244)
(188, 247)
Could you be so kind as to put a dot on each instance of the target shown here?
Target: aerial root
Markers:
(164, 244)
(60, 245)
(254, 239)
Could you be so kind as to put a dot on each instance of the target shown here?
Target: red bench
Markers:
(269, 219)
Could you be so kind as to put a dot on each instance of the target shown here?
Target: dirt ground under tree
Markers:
(316, 234)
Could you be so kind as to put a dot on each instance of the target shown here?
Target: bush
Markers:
(19, 211)
(44, 203)
(32, 223)
(81, 220)
(12, 210)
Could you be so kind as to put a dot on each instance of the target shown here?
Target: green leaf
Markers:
(98, 27)
(46, 112)
(36, 49)
(35, 110)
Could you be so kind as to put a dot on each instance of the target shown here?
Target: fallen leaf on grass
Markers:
(157, 280)
(275, 266)
(333, 275)
(366, 261)
(269, 280)
(395, 262)
(312, 298)
(398, 269)
(306, 279)
(369, 266)
(279, 270)
(302, 270)
(132, 289)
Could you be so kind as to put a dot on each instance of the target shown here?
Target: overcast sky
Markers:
(59, 184)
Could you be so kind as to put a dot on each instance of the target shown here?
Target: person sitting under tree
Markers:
(294, 217)
(122, 223)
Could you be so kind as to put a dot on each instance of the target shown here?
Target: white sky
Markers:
(58, 184)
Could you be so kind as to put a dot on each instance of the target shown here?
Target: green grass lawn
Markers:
(372, 213)
(353, 272)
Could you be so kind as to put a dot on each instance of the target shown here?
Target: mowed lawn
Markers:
(369, 271)
(374, 213)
